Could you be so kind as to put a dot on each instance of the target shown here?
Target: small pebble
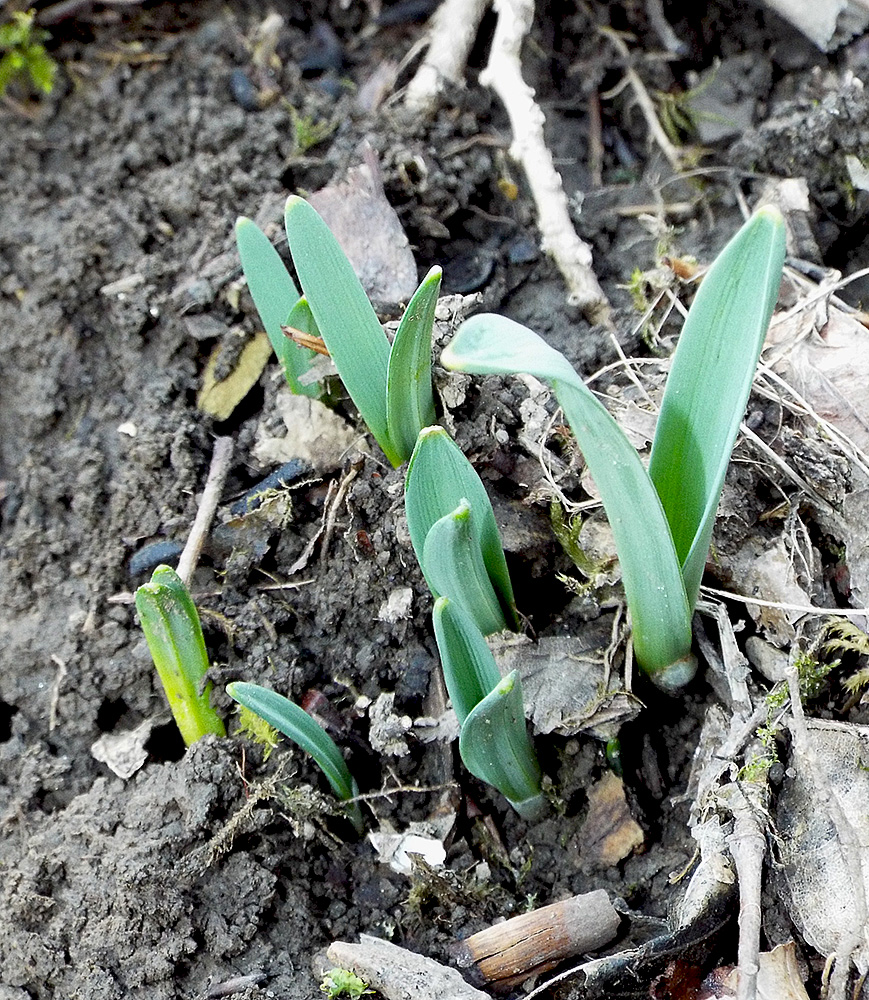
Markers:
(150, 556)
(243, 91)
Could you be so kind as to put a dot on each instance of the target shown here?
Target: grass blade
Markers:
(274, 294)
(439, 477)
(346, 319)
(661, 616)
(409, 401)
(494, 746)
(174, 635)
(467, 662)
(709, 384)
(454, 568)
(295, 723)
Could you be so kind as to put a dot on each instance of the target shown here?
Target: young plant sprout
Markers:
(661, 520)
(493, 742)
(391, 386)
(295, 723)
(174, 636)
(453, 531)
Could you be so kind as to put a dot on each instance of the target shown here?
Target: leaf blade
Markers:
(438, 478)
(346, 319)
(495, 747)
(173, 632)
(709, 384)
(409, 400)
(468, 666)
(274, 294)
(295, 723)
(651, 572)
(454, 567)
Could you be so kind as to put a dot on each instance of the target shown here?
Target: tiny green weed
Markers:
(343, 983)
(23, 54)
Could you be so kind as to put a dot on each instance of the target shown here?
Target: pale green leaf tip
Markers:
(672, 678)
(772, 213)
(242, 222)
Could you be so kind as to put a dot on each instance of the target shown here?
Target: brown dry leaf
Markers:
(314, 433)
(369, 231)
(609, 832)
(221, 398)
(815, 870)
(563, 682)
(778, 978)
(822, 352)
(769, 572)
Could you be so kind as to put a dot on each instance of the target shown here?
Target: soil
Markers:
(118, 277)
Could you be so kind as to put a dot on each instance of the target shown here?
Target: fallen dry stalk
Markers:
(220, 460)
(503, 74)
(452, 33)
(506, 954)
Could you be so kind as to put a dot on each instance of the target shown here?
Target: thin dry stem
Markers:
(220, 460)
(503, 74)
(452, 33)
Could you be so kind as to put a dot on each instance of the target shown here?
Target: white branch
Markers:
(451, 35)
(504, 75)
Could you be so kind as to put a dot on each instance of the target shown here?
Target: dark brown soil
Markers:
(135, 168)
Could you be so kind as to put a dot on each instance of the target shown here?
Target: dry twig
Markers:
(503, 74)
(220, 460)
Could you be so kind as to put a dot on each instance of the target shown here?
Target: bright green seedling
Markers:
(494, 742)
(22, 53)
(442, 484)
(275, 296)
(661, 520)
(298, 726)
(391, 387)
(174, 636)
(343, 983)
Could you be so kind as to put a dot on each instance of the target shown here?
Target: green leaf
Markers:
(709, 383)
(295, 723)
(409, 402)
(346, 319)
(174, 636)
(495, 748)
(661, 616)
(274, 294)
(439, 478)
(455, 569)
(466, 660)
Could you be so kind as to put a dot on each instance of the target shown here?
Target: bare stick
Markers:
(503, 74)
(747, 843)
(220, 460)
(647, 105)
(452, 32)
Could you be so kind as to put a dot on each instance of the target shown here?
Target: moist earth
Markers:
(118, 278)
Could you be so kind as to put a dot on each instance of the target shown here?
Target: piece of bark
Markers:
(400, 974)
(609, 832)
(506, 954)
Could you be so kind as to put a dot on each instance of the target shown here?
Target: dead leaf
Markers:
(563, 682)
(609, 832)
(221, 398)
(369, 231)
(813, 874)
(778, 978)
(314, 433)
